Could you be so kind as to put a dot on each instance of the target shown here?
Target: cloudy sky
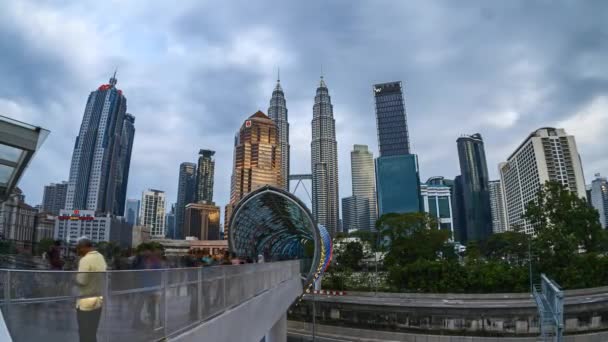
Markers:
(192, 71)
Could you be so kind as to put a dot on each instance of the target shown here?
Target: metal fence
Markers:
(549, 299)
(138, 305)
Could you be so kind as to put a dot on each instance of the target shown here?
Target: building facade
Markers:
(97, 172)
(44, 226)
(256, 160)
(277, 112)
(599, 198)
(186, 193)
(324, 162)
(202, 221)
(364, 182)
(437, 201)
(547, 154)
(477, 215)
(17, 220)
(53, 198)
(397, 174)
(132, 211)
(170, 223)
(73, 224)
(355, 214)
(152, 212)
(497, 207)
(391, 120)
(124, 163)
(205, 176)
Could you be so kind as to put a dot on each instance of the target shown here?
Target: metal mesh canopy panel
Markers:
(276, 224)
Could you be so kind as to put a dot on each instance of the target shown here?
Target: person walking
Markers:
(90, 282)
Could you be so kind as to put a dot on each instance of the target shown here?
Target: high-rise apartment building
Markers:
(124, 163)
(364, 181)
(599, 198)
(53, 198)
(186, 194)
(324, 162)
(397, 175)
(437, 201)
(132, 211)
(152, 212)
(477, 216)
(202, 220)
(277, 111)
(547, 154)
(97, 173)
(256, 160)
(497, 207)
(355, 214)
(204, 176)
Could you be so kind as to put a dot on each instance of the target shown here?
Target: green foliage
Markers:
(7, 247)
(367, 237)
(351, 256)
(44, 245)
(410, 237)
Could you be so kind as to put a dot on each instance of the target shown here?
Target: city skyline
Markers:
(503, 111)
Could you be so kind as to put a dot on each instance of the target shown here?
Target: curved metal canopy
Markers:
(276, 224)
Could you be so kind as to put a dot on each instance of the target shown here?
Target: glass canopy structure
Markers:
(274, 223)
(18, 143)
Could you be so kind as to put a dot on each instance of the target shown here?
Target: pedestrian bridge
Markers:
(221, 303)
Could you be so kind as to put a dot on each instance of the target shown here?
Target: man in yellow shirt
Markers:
(88, 306)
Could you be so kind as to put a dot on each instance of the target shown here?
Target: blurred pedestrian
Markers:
(54, 256)
(90, 282)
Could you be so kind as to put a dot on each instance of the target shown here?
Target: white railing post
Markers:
(199, 291)
(165, 300)
(106, 305)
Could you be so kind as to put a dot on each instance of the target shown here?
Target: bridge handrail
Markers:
(178, 298)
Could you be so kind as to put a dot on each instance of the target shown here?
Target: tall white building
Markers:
(324, 162)
(152, 212)
(355, 214)
(437, 200)
(497, 207)
(364, 181)
(547, 154)
(599, 198)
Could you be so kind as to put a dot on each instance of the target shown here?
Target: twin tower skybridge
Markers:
(274, 223)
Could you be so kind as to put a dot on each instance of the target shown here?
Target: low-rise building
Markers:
(437, 201)
(17, 220)
(44, 226)
(72, 224)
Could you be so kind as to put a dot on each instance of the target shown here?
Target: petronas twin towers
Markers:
(324, 153)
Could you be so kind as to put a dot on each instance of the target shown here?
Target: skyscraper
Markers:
(391, 120)
(324, 162)
(277, 111)
(364, 181)
(96, 181)
(186, 194)
(497, 207)
(152, 212)
(256, 160)
(477, 215)
(124, 163)
(355, 213)
(460, 231)
(170, 223)
(53, 199)
(204, 176)
(547, 154)
(599, 198)
(132, 212)
(397, 174)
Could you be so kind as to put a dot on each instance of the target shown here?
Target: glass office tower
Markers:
(393, 136)
(398, 184)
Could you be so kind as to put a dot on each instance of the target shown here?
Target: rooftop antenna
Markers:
(278, 74)
(113, 80)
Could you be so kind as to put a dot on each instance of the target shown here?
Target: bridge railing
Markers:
(138, 305)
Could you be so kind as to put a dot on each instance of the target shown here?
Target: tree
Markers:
(351, 256)
(44, 245)
(510, 246)
(563, 222)
(368, 237)
(411, 236)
